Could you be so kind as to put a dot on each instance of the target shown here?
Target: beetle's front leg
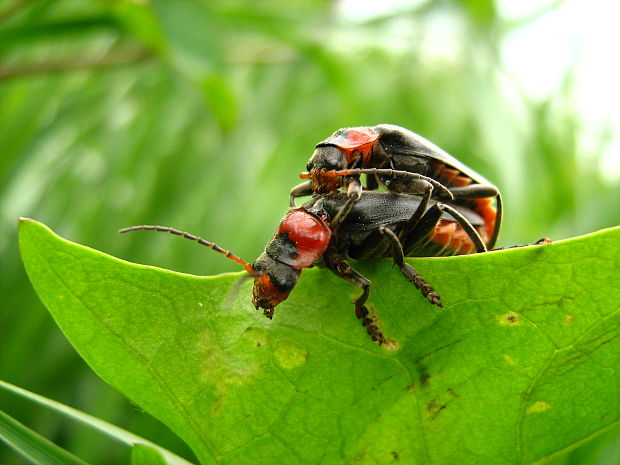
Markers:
(300, 190)
(342, 269)
(354, 187)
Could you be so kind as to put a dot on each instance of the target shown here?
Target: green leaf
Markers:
(110, 430)
(142, 454)
(32, 445)
(518, 368)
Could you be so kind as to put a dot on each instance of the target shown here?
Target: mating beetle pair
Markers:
(436, 206)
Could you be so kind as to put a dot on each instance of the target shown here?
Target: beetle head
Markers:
(300, 241)
(273, 281)
(325, 158)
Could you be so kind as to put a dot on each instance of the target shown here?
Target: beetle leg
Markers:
(412, 222)
(407, 270)
(371, 182)
(352, 184)
(305, 188)
(427, 223)
(343, 270)
(334, 224)
(473, 191)
(541, 241)
(389, 172)
(498, 220)
(354, 187)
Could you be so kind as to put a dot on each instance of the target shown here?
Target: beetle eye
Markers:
(309, 166)
(332, 159)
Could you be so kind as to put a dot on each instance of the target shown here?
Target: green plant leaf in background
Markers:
(142, 454)
(32, 445)
(518, 368)
(30, 442)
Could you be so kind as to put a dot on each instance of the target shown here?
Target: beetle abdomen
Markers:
(447, 176)
(453, 239)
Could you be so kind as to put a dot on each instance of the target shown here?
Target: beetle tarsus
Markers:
(434, 298)
(370, 324)
(427, 291)
(544, 240)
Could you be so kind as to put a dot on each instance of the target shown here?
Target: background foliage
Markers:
(201, 114)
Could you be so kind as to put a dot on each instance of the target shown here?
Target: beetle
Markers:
(332, 228)
(373, 150)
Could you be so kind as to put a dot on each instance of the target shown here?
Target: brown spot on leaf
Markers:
(434, 408)
(510, 318)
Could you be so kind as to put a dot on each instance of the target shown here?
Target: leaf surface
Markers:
(520, 366)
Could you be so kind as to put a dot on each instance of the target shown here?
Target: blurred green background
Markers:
(201, 114)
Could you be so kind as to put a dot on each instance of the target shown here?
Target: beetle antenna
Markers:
(191, 237)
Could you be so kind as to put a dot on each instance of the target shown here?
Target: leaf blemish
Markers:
(227, 366)
(538, 407)
(289, 355)
(257, 336)
(433, 409)
(432, 405)
(510, 318)
(424, 374)
(568, 319)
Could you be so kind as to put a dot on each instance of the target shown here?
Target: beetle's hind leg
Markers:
(407, 270)
(472, 191)
(343, 270)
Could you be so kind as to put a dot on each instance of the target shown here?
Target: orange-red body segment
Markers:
(309, 234)
(355, 142)
(266, 294)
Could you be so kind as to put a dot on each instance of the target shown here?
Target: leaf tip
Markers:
(28, 222)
